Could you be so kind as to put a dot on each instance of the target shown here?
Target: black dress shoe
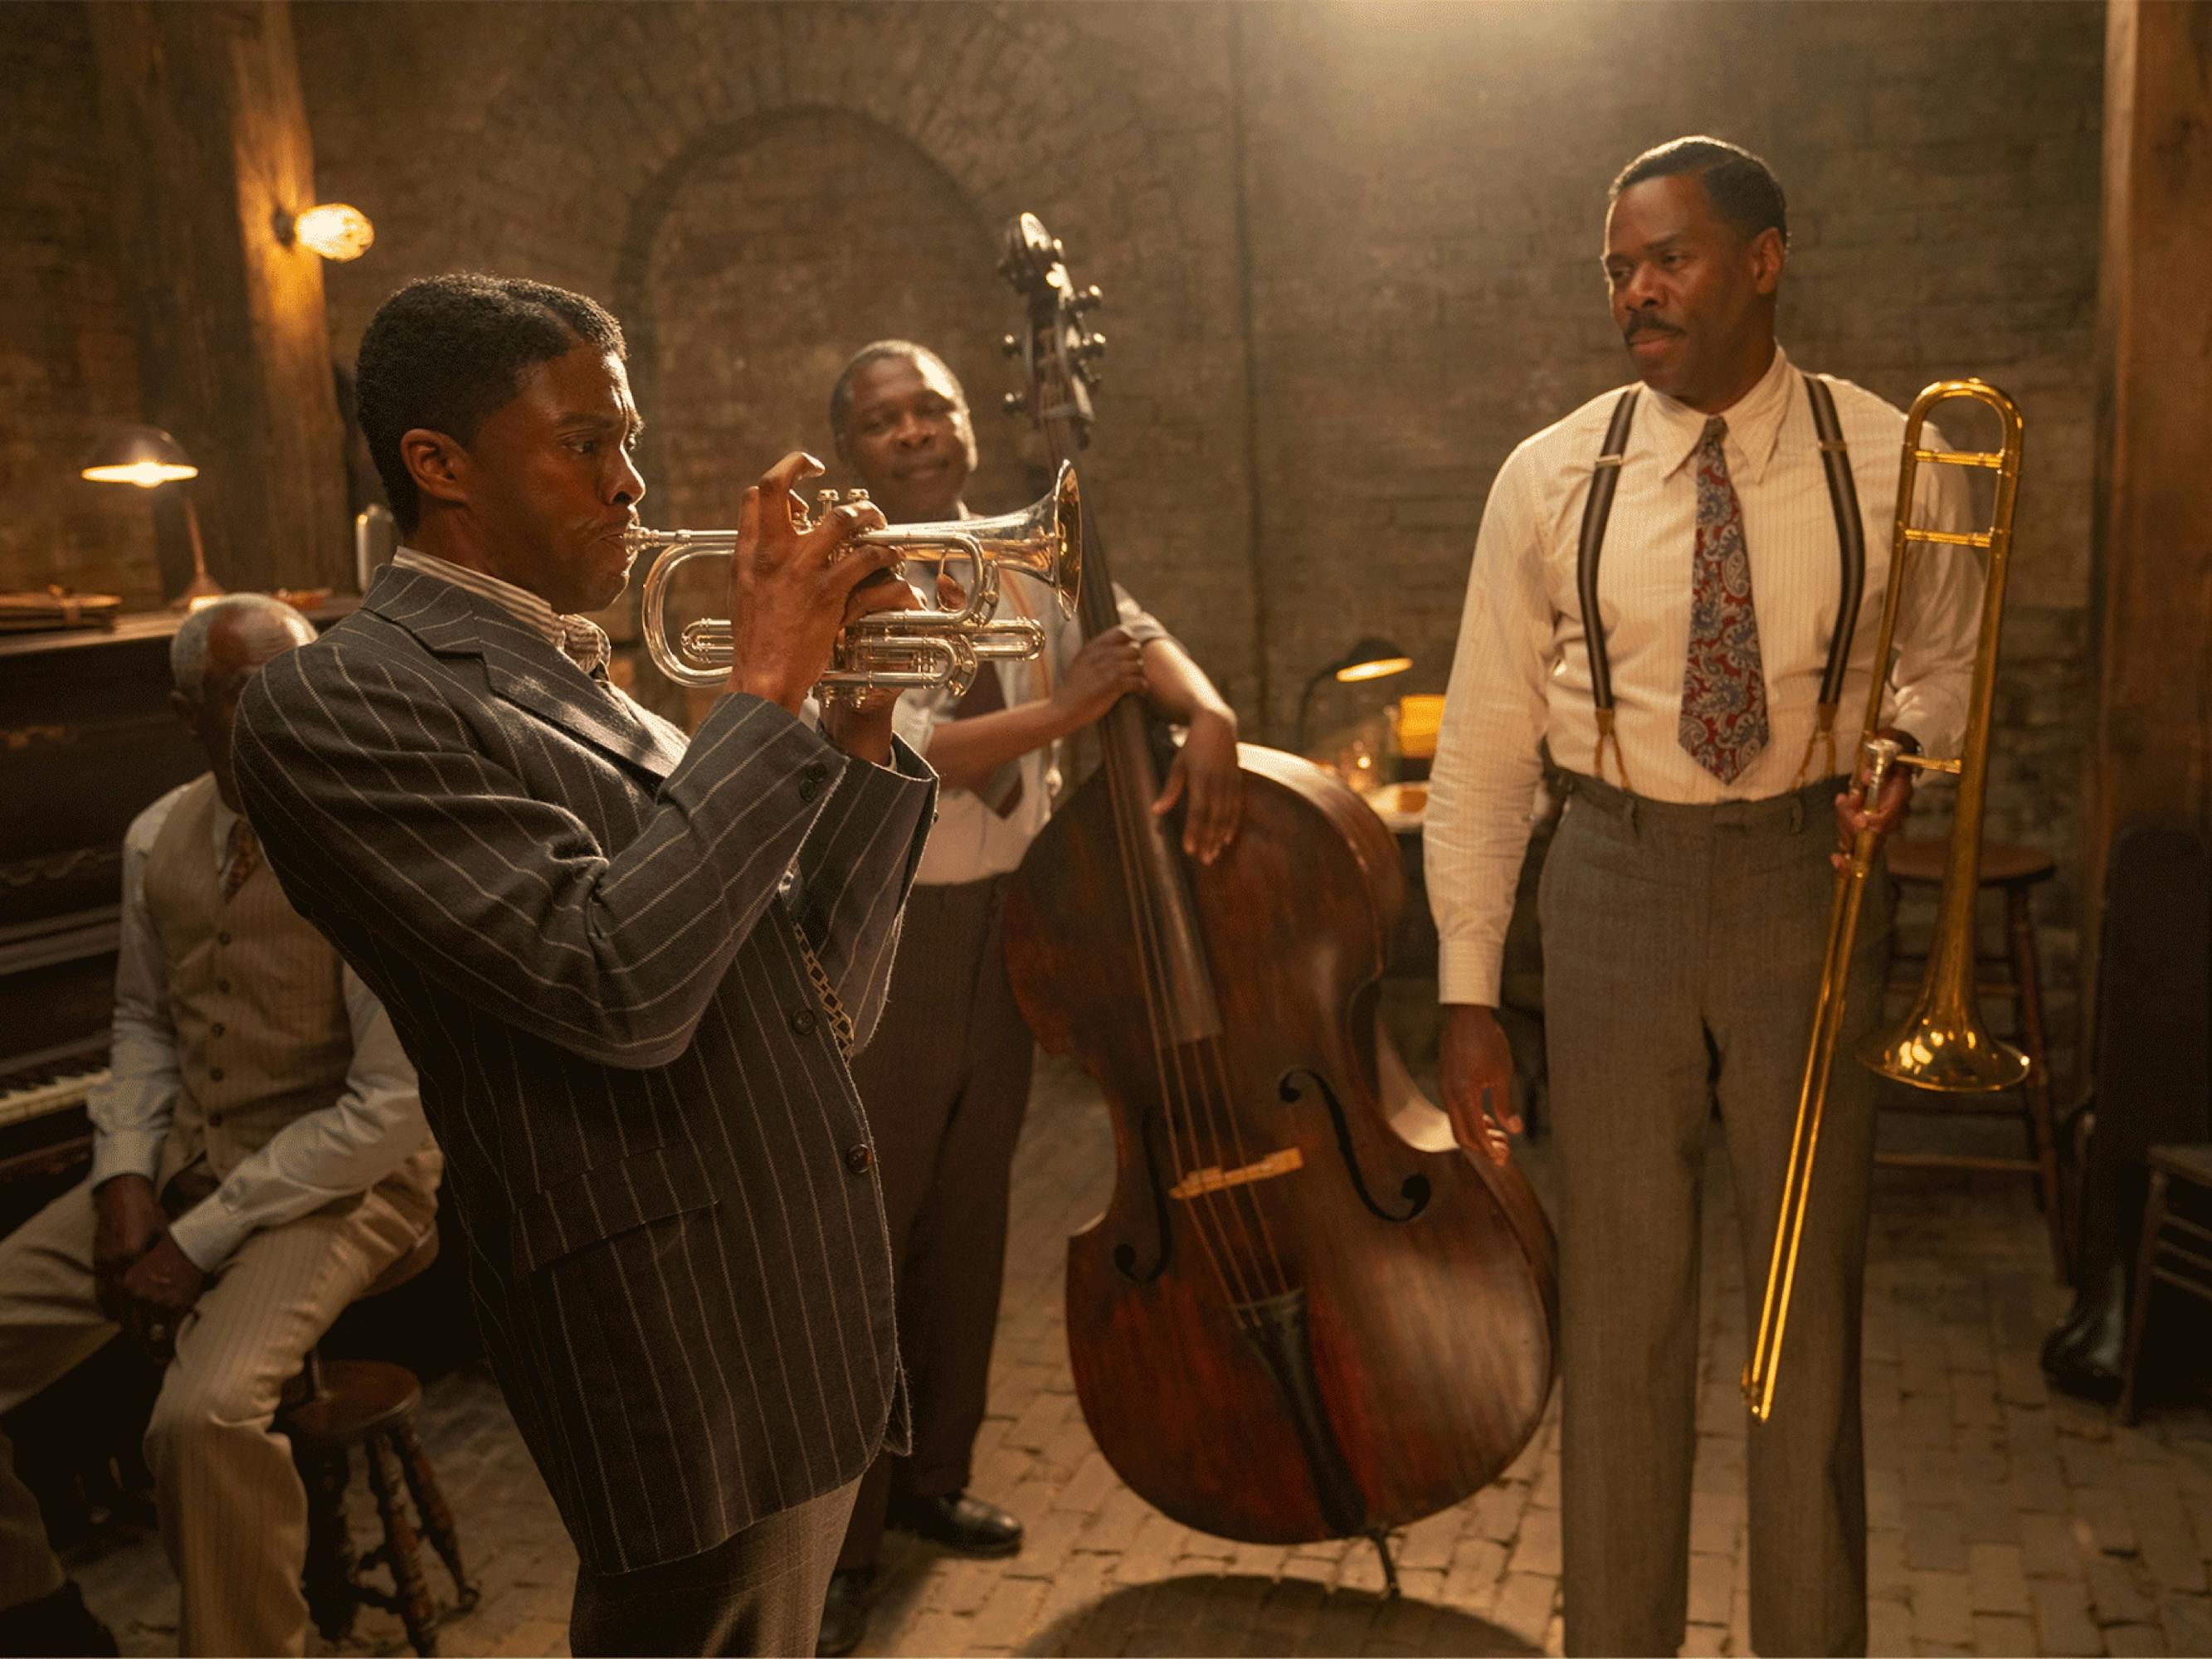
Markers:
(55, 1623)
(2082, 1355)
(973, 1526)
(844, 1612)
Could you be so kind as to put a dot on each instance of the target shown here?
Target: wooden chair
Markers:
(2176, 1250)
(333, 1407)
(2011, 974)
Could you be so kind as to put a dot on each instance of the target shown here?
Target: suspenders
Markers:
(1595, 511)
(1851, 544)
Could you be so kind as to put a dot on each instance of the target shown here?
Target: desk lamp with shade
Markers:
(148, 457)
(1371, 659)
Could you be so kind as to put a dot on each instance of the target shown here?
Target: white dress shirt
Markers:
(971, 842)
(1521, 675)
(364, 1135)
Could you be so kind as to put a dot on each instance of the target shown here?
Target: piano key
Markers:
(56, 1094)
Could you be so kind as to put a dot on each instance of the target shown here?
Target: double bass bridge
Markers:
(1215, 1179)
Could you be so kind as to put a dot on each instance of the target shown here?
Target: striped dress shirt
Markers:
(579, 639)
(584, 934)
(1521, 676)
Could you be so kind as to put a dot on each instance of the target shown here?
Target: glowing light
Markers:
(147, 475)
(1381, 668)
(334, 230)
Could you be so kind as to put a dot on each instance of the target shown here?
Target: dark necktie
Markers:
(1002, 791)
(245, 852)
(1724, 725)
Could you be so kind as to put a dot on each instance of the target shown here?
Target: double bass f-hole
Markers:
(1414, 1189)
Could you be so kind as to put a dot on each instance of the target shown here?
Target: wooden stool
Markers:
(2012, 975)
(2175, 1251)
(333, 1407)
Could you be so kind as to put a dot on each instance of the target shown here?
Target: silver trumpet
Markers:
(892, 650)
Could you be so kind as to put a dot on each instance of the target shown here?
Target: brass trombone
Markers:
(892, 649)
(1941, 1044)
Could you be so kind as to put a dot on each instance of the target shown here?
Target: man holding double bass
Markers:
(947, 1076)
(1655, 597)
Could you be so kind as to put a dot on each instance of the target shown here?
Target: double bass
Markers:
(1304, 1313)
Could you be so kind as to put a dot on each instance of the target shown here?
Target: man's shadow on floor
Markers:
(1239, 1613)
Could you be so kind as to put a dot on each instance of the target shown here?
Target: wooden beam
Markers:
(2153, 596)
(208, 148)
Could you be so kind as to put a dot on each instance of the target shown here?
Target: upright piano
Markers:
(87, 742)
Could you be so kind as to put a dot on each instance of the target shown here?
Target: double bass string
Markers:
(1252, 1265)
(1212, 1050)
(1131, 823)
(1142, 923)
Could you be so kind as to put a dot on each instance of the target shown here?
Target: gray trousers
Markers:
(1682, 951)
(758, 1591)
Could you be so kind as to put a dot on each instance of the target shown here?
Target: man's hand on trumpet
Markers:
(864, 730)
(791, 591)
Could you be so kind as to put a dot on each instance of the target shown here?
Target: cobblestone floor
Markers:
(2003, 1520)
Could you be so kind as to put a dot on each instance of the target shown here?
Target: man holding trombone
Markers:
(630, 971)
(1667, 593)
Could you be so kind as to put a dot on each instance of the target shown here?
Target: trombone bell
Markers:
(1943, 1046)
(893, 650)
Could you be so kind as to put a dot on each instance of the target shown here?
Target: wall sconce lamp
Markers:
(148, 457)
(1371, 659)
(333, 229)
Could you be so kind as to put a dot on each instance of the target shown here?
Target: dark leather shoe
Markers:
(55, 1623)
(2082, 1355)
(844, 1612)
(973, 1526)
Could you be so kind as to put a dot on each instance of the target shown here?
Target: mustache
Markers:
(1647, 324)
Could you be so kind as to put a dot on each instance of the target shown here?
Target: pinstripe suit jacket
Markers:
(585, 936)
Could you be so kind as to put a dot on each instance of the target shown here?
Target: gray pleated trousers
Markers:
(1682, 951)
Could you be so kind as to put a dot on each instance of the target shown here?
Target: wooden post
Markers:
(208, 151)
(2153, 756)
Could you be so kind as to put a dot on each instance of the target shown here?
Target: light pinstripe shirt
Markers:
(1521, 676)
(579, 639)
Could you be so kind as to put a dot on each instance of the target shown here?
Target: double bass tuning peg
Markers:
(1089, 299)
(1014, 402)
(1010, 345)
(1091, 347)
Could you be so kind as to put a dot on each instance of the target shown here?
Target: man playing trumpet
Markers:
(1655, 597)
(631, 969)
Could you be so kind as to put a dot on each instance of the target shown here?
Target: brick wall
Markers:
(69, 363)
(747, 312)
(1350, 255)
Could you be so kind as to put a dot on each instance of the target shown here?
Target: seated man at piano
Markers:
(259, 1156)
